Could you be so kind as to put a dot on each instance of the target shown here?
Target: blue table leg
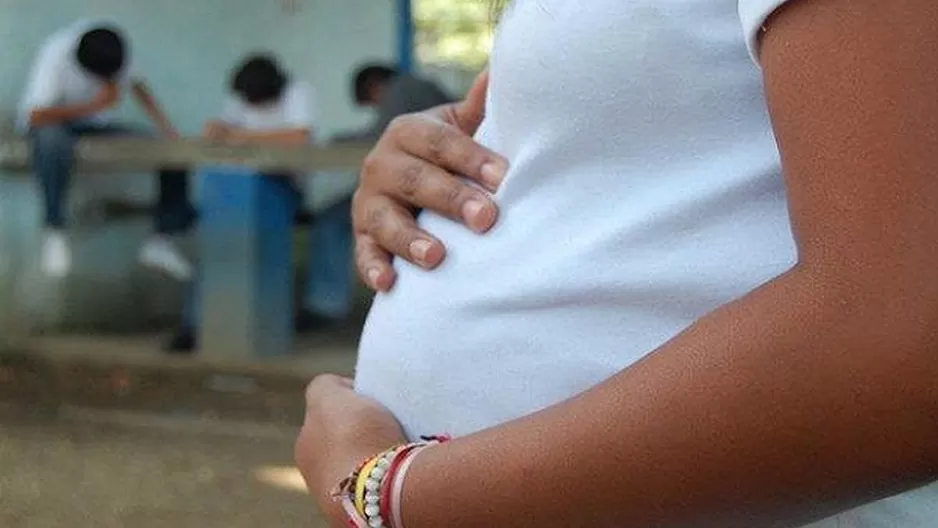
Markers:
(246, 231)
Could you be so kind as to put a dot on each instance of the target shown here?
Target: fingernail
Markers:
(419, 250)
(472, 214)
(493, 173)
(373, 274)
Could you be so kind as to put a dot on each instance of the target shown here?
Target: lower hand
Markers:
(341, 430)
(414, 166)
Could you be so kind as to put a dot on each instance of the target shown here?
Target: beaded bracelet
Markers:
(361, 482)
(371, 495)
(375, 483)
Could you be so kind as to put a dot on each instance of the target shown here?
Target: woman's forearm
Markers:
(808, 396)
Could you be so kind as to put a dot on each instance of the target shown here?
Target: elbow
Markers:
(897, 289)
(884, 320)
(883, 317)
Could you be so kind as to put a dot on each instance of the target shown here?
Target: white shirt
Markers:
(645, 191)
(57, 79)
(294, 110)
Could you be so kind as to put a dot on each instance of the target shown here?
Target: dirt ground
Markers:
(98, 470)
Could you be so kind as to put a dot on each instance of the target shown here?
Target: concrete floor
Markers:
(92, 470)
(106, 432)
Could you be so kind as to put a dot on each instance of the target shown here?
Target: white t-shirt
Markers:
(56, 78)
(645, 191)
(294, 110)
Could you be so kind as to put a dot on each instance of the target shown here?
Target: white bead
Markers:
(376, 522)
(384, 463)
(372, 498)
(378, 472)
(372, 510)
(372, 485)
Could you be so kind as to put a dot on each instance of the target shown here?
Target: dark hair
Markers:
(101, 52)
(259, 79)
(368, 77)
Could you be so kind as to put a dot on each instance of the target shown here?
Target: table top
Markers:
(123, 154)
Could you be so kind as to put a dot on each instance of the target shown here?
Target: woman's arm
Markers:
(813, 394)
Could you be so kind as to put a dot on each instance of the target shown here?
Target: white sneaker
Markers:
(161, 253)
(56, 259)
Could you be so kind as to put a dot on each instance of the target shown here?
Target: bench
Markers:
(135, 154)
(245, 242)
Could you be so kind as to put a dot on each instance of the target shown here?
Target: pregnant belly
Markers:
(514, 322)
(462, 348)
(442, 366)
(466, 347)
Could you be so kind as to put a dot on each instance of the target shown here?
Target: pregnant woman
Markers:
(710, 298)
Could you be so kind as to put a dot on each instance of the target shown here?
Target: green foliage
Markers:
(454, 32)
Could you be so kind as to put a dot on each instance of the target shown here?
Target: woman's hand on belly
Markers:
(340, 430)
(413, 167)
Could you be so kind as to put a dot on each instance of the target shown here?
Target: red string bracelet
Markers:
(393, 491)
(385, 502)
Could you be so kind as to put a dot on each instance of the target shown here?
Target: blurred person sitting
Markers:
(77, 79)
(267, 106)
(391, 93)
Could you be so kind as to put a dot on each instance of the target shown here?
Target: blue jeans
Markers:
(329, 286)
(53, 149)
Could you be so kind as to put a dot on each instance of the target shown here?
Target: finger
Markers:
(445, 145)
(394, 229)
(374, 264)
(422, 185)
(470, 112)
